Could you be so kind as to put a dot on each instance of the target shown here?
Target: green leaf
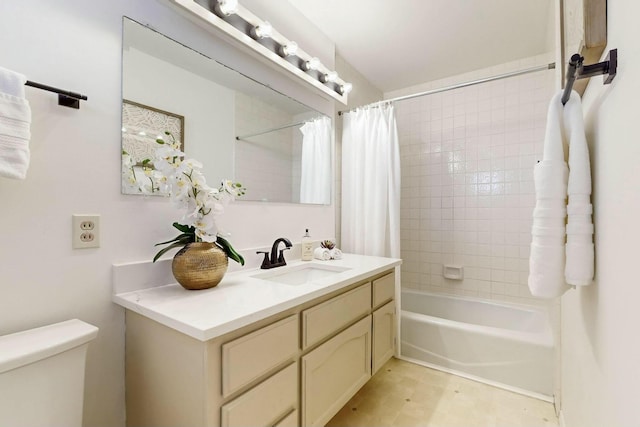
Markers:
(168, 248)
(145, 161)
(160, 141)
(180, 238)
(228, 249)
(185, 228)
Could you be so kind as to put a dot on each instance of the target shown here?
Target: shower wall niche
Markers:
(467, 159)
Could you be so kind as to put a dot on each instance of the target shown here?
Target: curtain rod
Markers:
(238, 138)
(549, 66)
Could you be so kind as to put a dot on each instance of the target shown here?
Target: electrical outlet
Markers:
(86, 231)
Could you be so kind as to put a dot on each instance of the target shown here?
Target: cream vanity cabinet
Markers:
(296, 368)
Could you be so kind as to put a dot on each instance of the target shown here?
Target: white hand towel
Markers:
(547, 176)
(15, 122)
(322, 254)
(336, 253)
(12, 83)
(546, 270)
(579, 268)
(547, 256)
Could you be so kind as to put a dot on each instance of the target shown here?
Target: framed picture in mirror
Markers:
(142, 125)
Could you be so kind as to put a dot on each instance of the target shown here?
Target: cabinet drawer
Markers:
(384, 334)
(384, 289)
(334, 372)
(266, 403)
(290, 420)
(247, 358)
(324, 319)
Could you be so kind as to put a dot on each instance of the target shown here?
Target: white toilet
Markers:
(42, 375)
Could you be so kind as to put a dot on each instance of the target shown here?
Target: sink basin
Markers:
(300, 274)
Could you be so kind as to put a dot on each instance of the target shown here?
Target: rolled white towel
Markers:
(550, 212)
(549, 223)
(579, 250)
(559, 232)
(551, 178)
(579, 209)
(322, 254)
(579, 268)
(547, 271)
(336, 253)
(584, 229)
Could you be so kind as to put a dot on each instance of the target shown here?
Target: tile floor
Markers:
(405, 394)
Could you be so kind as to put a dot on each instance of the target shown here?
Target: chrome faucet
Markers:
(277, 260)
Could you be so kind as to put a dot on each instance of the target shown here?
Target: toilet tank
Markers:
(42, 375)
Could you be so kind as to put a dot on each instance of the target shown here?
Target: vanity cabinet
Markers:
(274, 344)
(384, 335)
(265, 404)
(384, 321)
(334, 372)
(295, 368)
(326, 319)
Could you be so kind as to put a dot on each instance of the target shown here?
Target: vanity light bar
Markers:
(264, 29)
(285, 53)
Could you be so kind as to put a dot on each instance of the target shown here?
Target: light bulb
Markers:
(264, 30)
(228, 7)
(346, 88)
(289, 49)
(312, 64)
(331, 76)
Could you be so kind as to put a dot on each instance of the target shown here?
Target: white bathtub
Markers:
(500, 344)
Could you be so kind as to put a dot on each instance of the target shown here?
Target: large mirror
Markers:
(278, 148)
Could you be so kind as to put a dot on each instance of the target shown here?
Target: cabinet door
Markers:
(334, 372)
(384, 334)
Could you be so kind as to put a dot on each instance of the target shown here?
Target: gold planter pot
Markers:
(199, 265)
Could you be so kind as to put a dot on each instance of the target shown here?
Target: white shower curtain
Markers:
(315, 182)
(371, 182)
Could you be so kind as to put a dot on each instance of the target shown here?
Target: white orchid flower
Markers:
(184, 181)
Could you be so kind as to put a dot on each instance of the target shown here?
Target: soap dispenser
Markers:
(307, 246)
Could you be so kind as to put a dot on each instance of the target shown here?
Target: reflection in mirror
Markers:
(295, 159)
(278, 148)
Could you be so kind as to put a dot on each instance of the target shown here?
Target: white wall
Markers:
(263, 162)
(467, 158)
(209, 131)
(75, 168)
(600, 346)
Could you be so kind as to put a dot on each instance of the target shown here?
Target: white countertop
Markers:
(241, 299)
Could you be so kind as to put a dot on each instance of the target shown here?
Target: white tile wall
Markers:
(467, 160)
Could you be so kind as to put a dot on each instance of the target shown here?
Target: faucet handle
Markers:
(281, 256)
(265, 261)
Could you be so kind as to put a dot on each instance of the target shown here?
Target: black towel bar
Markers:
(65, 97)
(577, 70)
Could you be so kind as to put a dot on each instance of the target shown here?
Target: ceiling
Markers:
(401, 43)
